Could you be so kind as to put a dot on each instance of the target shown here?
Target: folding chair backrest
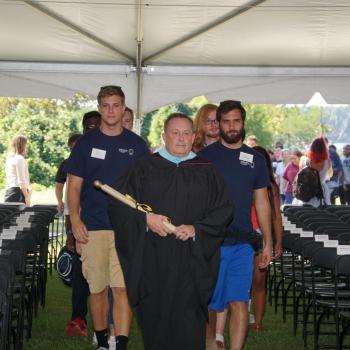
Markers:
(325, 258)
(342, 265)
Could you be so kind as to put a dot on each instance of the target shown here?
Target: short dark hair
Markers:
(177, 115)
(127, 109)
(279, 144)
(110, 90)
(229, 105)
(297, 153)
(73, 138)
(91, 114)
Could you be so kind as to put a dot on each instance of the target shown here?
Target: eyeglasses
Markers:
(211, 121)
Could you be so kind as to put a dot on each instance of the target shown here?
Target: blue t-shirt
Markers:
(244, 170)
(97, 156)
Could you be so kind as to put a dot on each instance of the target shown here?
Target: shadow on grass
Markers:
(48, 327)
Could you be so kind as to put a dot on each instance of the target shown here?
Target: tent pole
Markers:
(139, 72)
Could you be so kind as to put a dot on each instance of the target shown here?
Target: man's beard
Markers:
(235, 138)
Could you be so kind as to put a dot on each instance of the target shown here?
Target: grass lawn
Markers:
(38, 197)
(48, 327)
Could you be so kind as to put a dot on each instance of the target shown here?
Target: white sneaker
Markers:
(111, 342)
(251, 319)
(94, 340)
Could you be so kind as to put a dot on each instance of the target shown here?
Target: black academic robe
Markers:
(169, 281)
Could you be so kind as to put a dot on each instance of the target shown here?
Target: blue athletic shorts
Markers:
(235, 276)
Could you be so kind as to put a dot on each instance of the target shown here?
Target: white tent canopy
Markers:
(163, 51)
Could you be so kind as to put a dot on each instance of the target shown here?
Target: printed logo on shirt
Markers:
(252, 165)
(130, 151)
(98, 153)
(246, 159)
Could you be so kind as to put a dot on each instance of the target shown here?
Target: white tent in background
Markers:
(317, 100)
(163, 51)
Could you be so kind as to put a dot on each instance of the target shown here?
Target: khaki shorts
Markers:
(100, 263)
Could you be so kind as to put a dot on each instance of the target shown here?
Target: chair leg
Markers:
(285, 301)
(296, 313)
(317, 329)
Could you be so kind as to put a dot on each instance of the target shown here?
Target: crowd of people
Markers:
(210, 222)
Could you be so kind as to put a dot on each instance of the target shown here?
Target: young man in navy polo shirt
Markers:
(245, 173)
(102, 154)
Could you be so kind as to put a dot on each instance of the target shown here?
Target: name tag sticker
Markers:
(246, 157)
(98, 153)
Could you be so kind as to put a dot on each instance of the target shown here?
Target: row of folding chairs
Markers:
(24, 237)
(311, 280)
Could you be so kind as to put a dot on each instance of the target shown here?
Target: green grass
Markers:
(46, 196)
(48, 327)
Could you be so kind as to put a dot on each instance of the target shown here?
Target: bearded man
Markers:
(245, 173)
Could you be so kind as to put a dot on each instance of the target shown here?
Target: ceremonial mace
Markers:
(131, 203)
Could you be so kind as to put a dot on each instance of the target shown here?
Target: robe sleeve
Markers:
(210, 233)
(211, 229)
(130, 228)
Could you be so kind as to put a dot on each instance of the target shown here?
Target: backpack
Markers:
(307, 185)
(64, 266)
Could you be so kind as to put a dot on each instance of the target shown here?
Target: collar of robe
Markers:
(165, 154)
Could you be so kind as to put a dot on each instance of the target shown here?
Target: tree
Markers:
(47, 124)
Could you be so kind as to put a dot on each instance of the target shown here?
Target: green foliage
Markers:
(47, 124)
(337, 120)
(259, 123)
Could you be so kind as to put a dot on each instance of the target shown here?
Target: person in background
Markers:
(281, 182)
(290, 173)
(206, 127)
(61, 176)
(127, 123)
(128, 119)
(91, 120)
(276, 157)
(337, 167)
(77, 325)
(345, 181)
(252, 141)
(17, 173)
(259, 275)
(319, 159)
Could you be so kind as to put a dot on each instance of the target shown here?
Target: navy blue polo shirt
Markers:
(244, 170)
(97, 156)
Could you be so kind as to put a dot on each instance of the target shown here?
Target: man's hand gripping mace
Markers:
(122, 198)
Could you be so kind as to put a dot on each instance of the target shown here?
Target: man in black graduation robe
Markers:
(170, 276)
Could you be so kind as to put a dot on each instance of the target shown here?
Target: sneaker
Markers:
(111, 343)
(76, 328)
(94, 339)
(251, 319)
(220, 342)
